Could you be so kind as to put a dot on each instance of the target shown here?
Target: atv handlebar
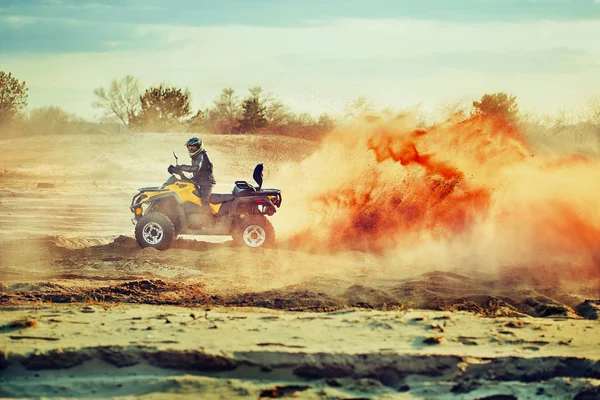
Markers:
(172, 170)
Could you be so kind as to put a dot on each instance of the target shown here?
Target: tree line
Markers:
(165, 108)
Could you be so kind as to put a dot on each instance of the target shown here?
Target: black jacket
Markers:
(202, 169)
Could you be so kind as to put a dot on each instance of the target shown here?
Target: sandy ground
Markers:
(175, 352)
(62, 270)
(520, 331)
(93, 177)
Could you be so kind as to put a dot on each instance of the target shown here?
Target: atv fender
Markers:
(178, 217)
(154, 198)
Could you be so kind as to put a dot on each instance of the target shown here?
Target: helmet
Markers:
(194, 146)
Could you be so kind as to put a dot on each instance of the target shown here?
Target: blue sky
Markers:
(315, 55)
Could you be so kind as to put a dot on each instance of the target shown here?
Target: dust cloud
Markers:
(468, 192)
(384, 212)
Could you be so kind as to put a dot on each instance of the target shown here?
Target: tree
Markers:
(50, 120)
(277, 113)
(162, 107)
(453, 111)
(223, 117)
(228, 104)
(593, 112)
(357, 107)
(197, 122)
(325, 122)
(13, 96)
(121, 99)
(497, 105)
(253, 116)
(256, 91)
(305, 119)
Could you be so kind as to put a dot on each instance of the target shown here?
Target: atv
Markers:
(175, 208)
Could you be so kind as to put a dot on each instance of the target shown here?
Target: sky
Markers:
(314, 55)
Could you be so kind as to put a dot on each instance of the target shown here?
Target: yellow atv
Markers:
(175, 208)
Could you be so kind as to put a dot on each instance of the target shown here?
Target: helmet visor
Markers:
(193, 147)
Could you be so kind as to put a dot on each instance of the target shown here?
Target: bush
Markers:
(50, 120)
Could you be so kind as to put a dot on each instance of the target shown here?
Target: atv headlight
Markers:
(138, 211)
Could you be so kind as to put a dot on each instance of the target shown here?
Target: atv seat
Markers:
(217, 198)
(243, 188)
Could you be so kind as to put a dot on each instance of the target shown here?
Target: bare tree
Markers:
(593, 112)
(256, 92)
(277, 113)
(51, 120)
(121, 99)
(264, 99)
(223, 117)
(357, 107)
(228, 105)
(452, 110)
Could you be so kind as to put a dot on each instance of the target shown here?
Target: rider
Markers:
(201, 167)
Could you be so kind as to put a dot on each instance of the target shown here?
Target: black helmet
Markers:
(194, 146)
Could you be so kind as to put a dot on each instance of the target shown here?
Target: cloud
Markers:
(27, 34)
(322, 65)
(18, 21)
(382, 39)
(290, 13)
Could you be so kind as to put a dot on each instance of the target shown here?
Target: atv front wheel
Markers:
(254, 231)
(155, 230)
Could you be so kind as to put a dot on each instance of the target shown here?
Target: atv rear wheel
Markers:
(155, 230)
(254, 231)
